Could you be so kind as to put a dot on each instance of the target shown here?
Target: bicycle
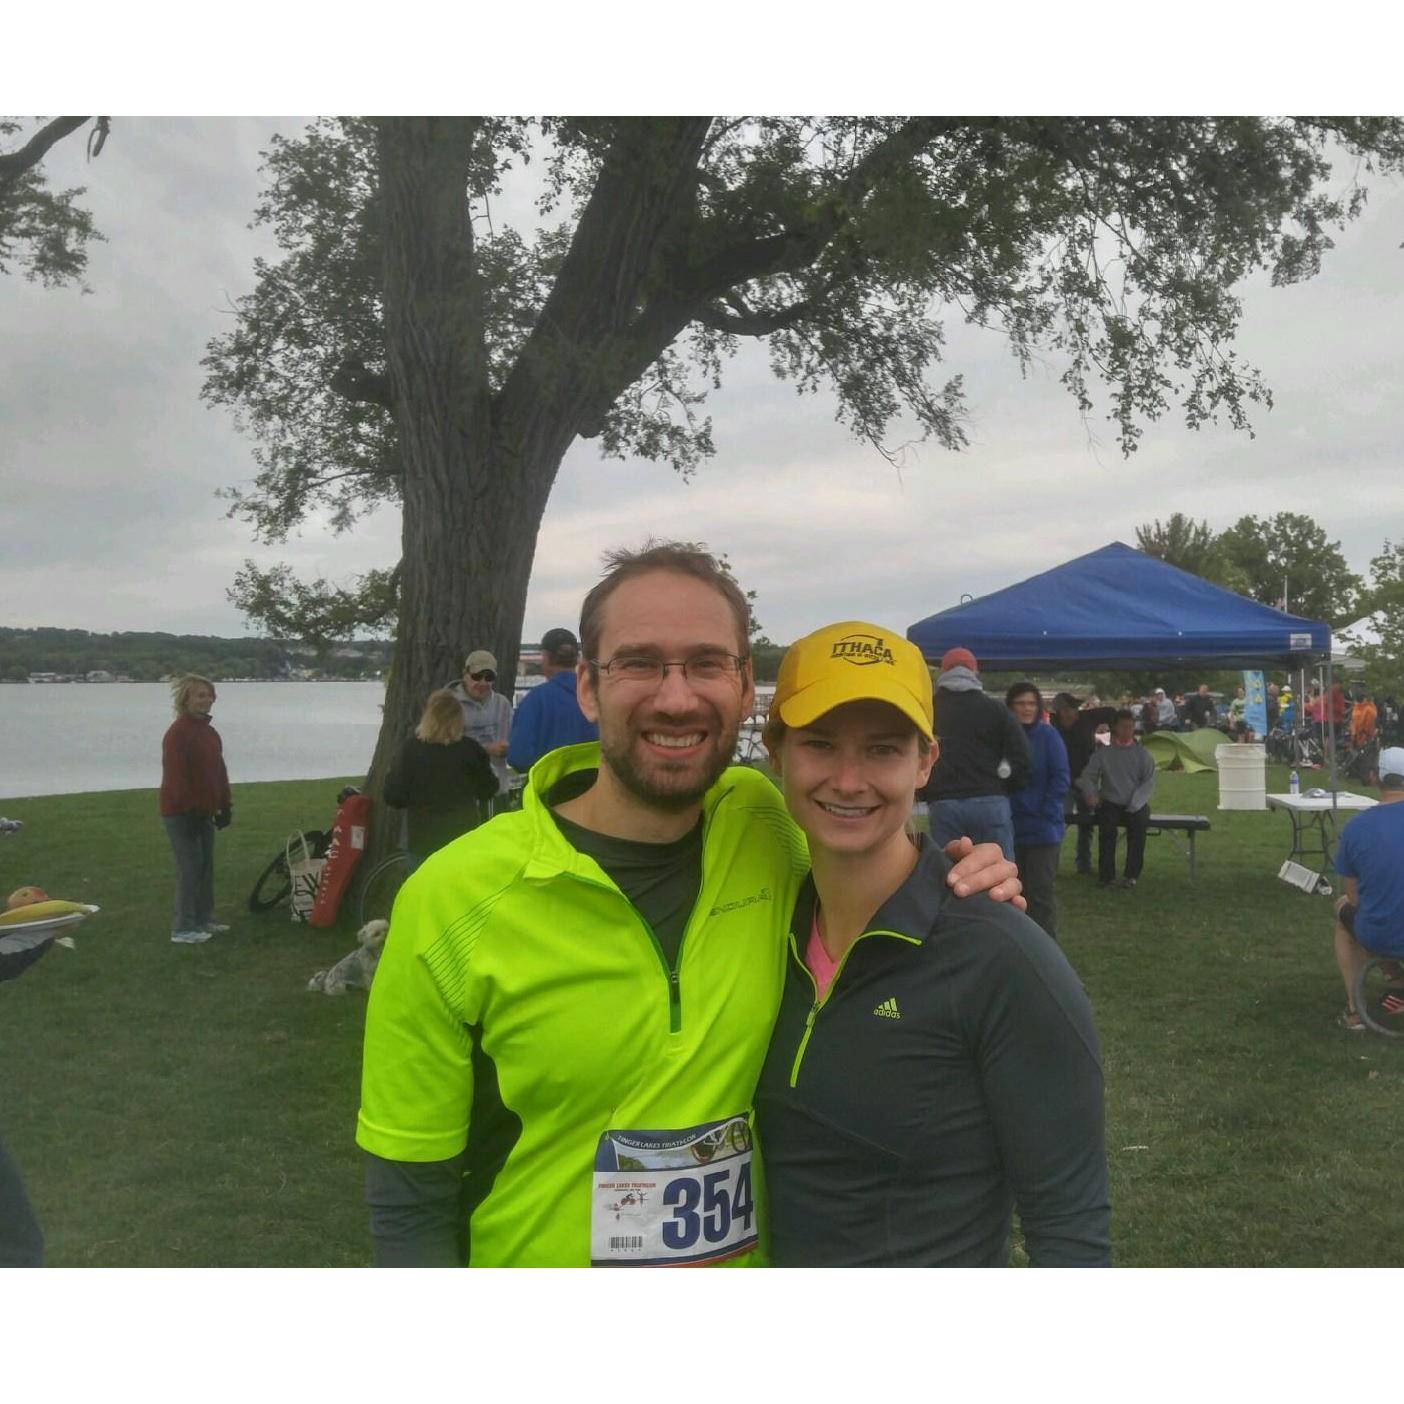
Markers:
(1377, 996)
(274, 883)
(381, 886)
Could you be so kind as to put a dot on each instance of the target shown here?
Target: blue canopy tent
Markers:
(1118, 608)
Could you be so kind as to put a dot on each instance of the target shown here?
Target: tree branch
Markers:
(792, 250)
(15, 164)
(742, 321)
(352, 381)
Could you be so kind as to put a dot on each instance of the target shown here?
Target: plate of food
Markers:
(32, 917)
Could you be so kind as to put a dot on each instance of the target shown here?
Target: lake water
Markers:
(63, 738)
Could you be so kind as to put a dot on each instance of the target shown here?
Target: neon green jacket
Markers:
(523, 1007)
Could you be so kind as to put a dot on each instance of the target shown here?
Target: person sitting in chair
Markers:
(1370, 915)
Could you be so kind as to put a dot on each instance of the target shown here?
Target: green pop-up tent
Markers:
(1190, 751)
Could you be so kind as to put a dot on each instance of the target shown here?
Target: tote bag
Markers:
(305, 870)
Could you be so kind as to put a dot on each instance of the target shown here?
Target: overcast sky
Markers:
(109, 463)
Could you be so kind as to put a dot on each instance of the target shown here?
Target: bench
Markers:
(1187, 824)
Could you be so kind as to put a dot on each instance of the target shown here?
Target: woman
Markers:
(194, 803)
(934, 1063)
(1037, 809)
(442, 777)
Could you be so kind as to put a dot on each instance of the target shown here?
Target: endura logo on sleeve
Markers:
(863, 650)
(762, 896)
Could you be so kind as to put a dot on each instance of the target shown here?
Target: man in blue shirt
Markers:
(549, 716)
(1370, 860)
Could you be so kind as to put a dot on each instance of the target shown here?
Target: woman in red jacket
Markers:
(194, 803)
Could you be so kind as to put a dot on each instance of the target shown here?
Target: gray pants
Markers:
(192, 842)
(1038, 865)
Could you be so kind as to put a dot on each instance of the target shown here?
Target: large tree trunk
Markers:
(477, 471)
(474, 491)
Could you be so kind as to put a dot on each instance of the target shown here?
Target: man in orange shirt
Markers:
(1362, 722)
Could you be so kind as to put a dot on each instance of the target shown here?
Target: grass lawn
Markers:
(186, 1106)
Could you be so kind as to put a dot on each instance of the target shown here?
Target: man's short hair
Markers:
(558, 646)
(679, 557)
(1065, 701)
(1125, 714)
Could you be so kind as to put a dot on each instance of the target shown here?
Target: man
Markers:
(1167, 718)
(1200, 710)
(1370, 862)
(1077, 725)
(487, 715)
(1117, 783)
(983, 756)
(1363, 719)
(1336, 709)
(549, 715)
(575, 999)
(1273, 709)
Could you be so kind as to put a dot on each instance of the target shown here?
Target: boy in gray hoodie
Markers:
(1117, 784)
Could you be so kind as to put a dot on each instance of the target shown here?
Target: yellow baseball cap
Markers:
(853, 662)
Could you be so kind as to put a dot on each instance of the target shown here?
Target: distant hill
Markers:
(144, 657)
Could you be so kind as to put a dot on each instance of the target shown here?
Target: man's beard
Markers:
(665, 796)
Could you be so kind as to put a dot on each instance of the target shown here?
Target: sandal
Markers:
(1392, 1001)
(1350, 1021)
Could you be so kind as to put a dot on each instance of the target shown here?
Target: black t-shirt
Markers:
(661, 880)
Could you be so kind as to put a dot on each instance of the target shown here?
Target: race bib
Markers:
(665, 1198)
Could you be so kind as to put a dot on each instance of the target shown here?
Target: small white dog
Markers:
(357, 970)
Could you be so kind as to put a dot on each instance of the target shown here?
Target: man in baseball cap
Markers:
(1370, 914)
(549, 715)
(984, 755)
(487, 715)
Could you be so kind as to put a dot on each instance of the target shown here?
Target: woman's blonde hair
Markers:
(442, 722)
(181, 689)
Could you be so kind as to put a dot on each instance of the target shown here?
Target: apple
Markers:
(24, 897)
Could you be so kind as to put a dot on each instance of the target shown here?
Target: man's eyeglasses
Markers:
(645, 668)
(484, 676)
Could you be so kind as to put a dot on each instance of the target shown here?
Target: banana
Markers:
(41, 911)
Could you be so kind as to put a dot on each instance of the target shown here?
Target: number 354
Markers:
(704, 1208)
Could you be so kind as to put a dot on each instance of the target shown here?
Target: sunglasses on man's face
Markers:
(484, 676)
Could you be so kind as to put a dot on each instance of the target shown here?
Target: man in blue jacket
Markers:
(549, 716)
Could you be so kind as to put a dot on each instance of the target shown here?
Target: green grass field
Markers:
(186, 1106)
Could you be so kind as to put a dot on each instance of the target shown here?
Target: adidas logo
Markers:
(887, 1010)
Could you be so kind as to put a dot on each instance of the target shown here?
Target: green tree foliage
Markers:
(1291, 551)
(1192, 546)
(43, 232)
(1384, 602)
(407, 348)
(148, 657)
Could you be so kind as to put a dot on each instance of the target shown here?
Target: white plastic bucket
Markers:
(1242, 776)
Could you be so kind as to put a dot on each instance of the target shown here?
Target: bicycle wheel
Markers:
(272, 887)
(379, 888)
(1377, 996)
